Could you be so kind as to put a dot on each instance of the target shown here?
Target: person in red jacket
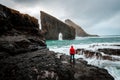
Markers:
(72, 53)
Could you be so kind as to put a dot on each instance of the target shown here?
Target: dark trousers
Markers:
(72, 59)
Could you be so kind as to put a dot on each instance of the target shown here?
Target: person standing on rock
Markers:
(72, 55)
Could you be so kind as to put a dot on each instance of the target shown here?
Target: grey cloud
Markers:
(96, 10)
(34, 2)
(87, 13)
(26, 1)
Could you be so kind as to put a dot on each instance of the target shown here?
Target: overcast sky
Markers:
(100, 17)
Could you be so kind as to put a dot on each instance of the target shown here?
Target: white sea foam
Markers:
(114, 72)
(113, 67)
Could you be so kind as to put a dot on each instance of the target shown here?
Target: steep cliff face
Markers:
(79, 31)
(18, 32)
(16, 20)
(51, 26)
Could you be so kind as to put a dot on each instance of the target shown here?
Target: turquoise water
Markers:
(62, 46)
(84, 40)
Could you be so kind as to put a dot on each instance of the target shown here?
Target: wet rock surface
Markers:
(101, 53)
(44, 65)
(24, 56)
(110, 51)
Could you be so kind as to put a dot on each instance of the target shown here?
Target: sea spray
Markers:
(91, 43)
(60, 36)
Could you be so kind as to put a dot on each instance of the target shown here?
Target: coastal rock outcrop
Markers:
(79, 31)
(51, 28)
(35, 61)
(110, 51)
(101, 53)
(19, 32)
(45, 65)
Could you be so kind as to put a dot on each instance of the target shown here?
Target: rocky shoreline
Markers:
(24, 54)
(45, 65)
(102, 51)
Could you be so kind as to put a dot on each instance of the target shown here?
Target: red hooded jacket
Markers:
(72, 50)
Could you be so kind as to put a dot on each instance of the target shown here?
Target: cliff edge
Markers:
(19, 32)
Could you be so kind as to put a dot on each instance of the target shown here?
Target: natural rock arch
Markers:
(52, 27)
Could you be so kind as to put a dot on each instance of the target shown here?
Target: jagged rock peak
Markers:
(79, 31)
(51, 28)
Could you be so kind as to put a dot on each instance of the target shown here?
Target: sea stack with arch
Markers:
(51, 28)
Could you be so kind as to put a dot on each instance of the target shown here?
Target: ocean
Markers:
(113, 67)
